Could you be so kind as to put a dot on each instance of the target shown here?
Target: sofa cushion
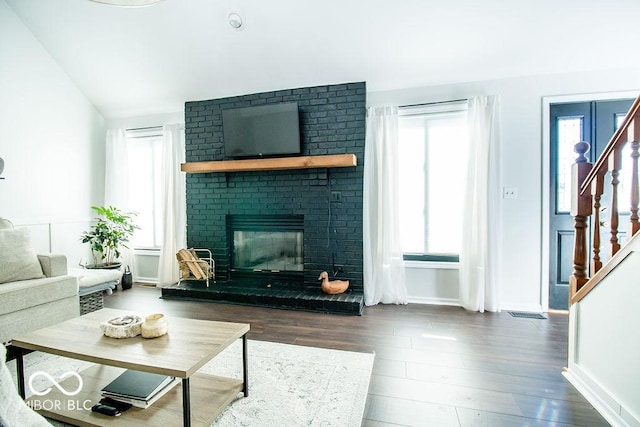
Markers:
(17, 258)
(53, 264)
(94, 280)
(23, 294)
(91, 277)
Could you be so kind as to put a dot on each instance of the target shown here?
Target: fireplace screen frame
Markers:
(264, 223)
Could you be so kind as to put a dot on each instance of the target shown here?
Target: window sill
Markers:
(147, 251)
(432, 265)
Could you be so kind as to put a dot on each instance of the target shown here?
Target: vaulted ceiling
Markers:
(133, 61)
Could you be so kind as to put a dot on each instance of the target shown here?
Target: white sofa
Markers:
(35, 291)
(27, 305)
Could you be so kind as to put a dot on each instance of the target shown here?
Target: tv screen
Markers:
(264, 130)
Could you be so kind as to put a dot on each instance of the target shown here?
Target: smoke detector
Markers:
(235, 20)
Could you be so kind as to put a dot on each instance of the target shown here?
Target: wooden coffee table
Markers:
(186, 348)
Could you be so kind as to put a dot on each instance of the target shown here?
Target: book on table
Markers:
(141, 389)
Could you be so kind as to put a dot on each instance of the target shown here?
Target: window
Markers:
(432, 148)
(145, 152)
(626, 174)
(569, 133)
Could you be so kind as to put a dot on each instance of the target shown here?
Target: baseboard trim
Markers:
(534, 308)
(434, 301)
(602, 401)
(152, 280)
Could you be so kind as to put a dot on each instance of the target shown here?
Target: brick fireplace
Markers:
(327, 201)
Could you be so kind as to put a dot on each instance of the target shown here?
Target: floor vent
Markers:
(527, 315)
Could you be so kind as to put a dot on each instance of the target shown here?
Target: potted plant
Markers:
(110, 233)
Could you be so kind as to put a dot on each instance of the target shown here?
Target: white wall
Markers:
(520, 246)
(604, 345)
(145, 121)
(52, 141)
(432, 283)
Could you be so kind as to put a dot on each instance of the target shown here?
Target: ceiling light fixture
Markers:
(128, 3)
(235, 20)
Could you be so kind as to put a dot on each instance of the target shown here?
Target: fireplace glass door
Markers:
(273, 251)
(266, 245)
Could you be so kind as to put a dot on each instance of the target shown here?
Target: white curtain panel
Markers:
(174, 219)
(481, 216)
(384, 279)
(116, 181)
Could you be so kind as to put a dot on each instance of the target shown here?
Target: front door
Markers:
(594, 122)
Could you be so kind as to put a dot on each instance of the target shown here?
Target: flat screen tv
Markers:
(264, 130)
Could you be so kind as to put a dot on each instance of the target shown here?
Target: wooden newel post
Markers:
(580, 210)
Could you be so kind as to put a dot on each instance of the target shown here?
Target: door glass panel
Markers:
(569, 133)
(624, 187)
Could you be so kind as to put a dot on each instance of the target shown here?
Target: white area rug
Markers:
(289, 385)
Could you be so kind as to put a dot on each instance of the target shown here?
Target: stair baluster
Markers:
(615, 164)
(634, 220)
(597, 189)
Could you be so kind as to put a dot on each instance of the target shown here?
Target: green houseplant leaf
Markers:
(112, 231)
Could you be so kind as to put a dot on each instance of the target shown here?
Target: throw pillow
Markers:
(18, 261)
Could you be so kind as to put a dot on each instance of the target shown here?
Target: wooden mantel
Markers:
(280, 163)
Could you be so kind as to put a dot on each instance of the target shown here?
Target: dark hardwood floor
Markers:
(434, 366)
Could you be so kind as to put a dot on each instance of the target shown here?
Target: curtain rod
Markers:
(144, 132)
(433, 103)
(144, 128)
(152, 128)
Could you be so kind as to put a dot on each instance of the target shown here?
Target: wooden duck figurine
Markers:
(333, 287)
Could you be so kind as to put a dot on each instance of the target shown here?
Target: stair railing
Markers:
(588, 187)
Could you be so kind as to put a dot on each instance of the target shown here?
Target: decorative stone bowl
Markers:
(122, 327)
(155, 325)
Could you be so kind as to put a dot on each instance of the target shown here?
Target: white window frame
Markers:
(440, 109)
(131, 136)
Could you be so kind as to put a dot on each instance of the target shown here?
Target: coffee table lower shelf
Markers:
(209, 396)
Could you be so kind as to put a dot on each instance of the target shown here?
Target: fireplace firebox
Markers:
(266, 246)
